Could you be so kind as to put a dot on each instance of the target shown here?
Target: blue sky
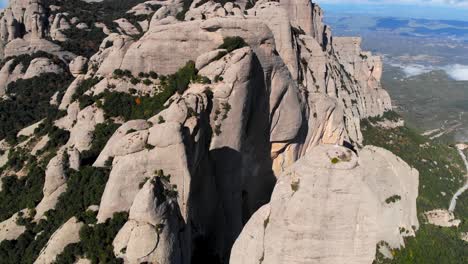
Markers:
(429, 9)
(446, 3)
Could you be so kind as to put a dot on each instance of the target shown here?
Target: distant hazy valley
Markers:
(426, 67)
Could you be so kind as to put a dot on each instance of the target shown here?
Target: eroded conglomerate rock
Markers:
(200, 168)
(277, 99)
(41, 65)
(442, 217)
(23, 18)
(9, 229)
(155, 231)
(329, 207)
(65, 235)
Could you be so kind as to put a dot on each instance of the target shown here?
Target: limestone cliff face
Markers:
(23, 19)
(330, 207)
(250, 154)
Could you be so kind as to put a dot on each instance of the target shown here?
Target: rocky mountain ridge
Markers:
(215, 126)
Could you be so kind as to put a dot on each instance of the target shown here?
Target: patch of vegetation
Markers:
(218, 78)
(119, 73)
(232, 43)
(135, 81)
(83, 42)
(217, 129)
(101, 135)
(118, 104)
(393, 199)
(85, 86)
(86, 42)
(19, 193)
(432, 245)
(163, 181)
(440, 167)
(17, 158)
(181, 15)
(220, 55)
(147, 82)
(85, 188)
(387, 115)
(70, 254)
(250, 4)
(227, 108)
(295, 185)
(97, 240)
(25, 60)
(153, 75)
(29, 102)
(440, 170)
(57, 137)
(140, 185)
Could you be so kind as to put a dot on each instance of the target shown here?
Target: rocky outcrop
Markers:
(28, 131)
(134, 168)
(8, 75)
(443, 218)
(343, 220)
(65, 235)
(154, 232)
(125, 142)
(41, 65)
(9, 229)
(12, 72)
(55, 173)
(23, 19)
(247, 156)
(78, 66)
(85, 122)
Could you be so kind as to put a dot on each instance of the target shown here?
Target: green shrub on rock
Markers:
(233, 43)
(29, 102)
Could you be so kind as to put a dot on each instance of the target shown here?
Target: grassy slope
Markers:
(441, 170)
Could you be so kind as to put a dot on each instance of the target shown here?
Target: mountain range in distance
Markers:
(426, 65)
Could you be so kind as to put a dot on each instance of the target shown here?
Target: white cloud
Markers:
(457, 72)
(413, 69)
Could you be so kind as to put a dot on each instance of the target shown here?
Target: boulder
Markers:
(78, 65)
(345, 217)
(29, 131)
(442, 217)
(123, 143)
(48, 202)
(154, 230)
(55, 173)
(9, 74)
(129, 171)
(81, 134)
(39, 66)
(165, 134)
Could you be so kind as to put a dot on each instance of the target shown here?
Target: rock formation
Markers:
(241, 163)
(65, 235)
(330, 207)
